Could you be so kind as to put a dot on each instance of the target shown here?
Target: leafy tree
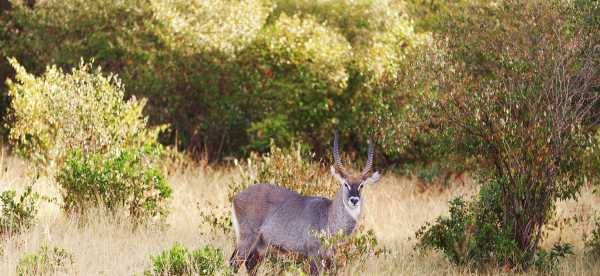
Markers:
(521, 98)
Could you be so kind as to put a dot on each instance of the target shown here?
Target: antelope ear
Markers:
(337, 176)
(372, 179)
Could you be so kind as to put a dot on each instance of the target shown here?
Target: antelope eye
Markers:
(347, 186)
(361, 186)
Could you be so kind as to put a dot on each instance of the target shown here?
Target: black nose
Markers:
(354, 200)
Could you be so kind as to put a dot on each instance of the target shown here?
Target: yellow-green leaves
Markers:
(304, 42)
(57, 112)
(210, 25)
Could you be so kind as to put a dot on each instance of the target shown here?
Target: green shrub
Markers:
(475, 234)
(46, 261)
(124, 180)
(295, 69)
(17, 214)
(179, 261)
(59, 112)
(358, 20)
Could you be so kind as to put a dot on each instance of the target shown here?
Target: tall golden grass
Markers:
(394, 208)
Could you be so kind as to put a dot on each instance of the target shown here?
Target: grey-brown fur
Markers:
(268, 216)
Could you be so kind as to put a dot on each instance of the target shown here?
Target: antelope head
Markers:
(352, 185)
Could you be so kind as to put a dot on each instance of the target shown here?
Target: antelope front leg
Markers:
(314, 267)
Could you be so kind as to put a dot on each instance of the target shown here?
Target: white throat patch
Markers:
(353, 212)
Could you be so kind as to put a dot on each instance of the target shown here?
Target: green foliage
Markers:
(18, 214)
(547, 262)
(179, 261)
(294, 70)
(475, 234)
(223, 26)
(46, 261)
(58, 112)
(358, 20)
(123, 180)
(231, 75)
(433, 15)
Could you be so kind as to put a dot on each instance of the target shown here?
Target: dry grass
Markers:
(394, 209)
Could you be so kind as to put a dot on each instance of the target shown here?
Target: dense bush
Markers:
(283, 70)
(46, 261)
(58, 112)
(520, 96)
(123, 180)
(180, 261)
(17, 214)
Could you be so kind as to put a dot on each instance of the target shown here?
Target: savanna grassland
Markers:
(127, 126)
(395, 208)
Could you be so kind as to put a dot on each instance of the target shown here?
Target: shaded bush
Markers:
(59, 112)
(180, 261)
(122, 180)
(46, 261)
(18, 213)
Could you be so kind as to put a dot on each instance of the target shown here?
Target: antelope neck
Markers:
(339, 217)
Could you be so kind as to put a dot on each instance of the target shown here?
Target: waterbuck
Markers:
(267, 217)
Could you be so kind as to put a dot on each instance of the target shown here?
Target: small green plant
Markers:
(124, 180)
(17, 214)
(180, 261)
(547, 261)
(592, 243)
(46, 261)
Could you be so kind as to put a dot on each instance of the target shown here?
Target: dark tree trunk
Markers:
(5, 6)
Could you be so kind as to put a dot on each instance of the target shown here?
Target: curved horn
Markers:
(369, 164)
(336, 156)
